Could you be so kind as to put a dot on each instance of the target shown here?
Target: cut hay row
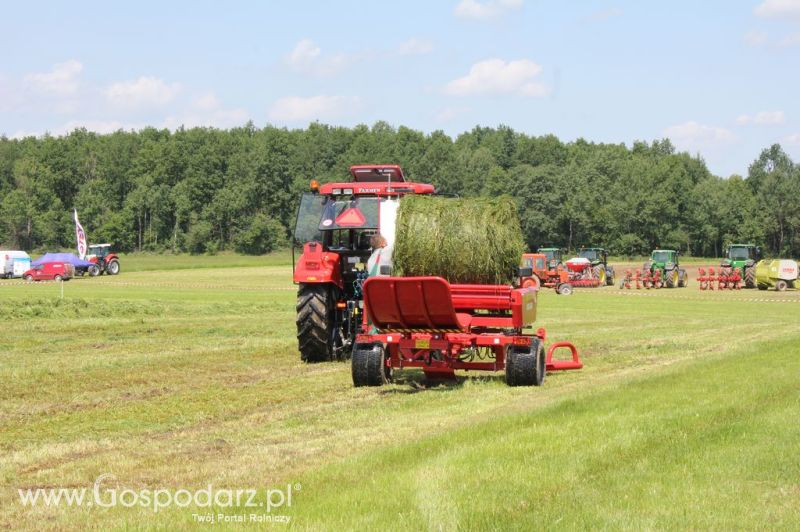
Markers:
(464, 240)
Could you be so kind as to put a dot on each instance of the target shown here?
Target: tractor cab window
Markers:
(539, 264)
(355, 213)
(739, 253)
(308, 216)
(591, 254)
(662, 256)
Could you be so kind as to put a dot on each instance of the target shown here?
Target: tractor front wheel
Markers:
(564, 289)
(315, 322)
(525, 366)
(749, 277)
(532, 282)
(112, 268)
(94, 270)
(369, 365)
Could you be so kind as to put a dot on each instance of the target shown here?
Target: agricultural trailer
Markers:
(742, 258)
(779, 274)
(14, 263)
(428, 323)
(335, 222)
(663, 269)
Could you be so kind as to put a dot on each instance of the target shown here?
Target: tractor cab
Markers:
(664, 268)
(664, 257)
(594, 255)
(335, 223)
(554, 256)
(99, 251)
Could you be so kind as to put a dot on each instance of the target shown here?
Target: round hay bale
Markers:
(464, 240)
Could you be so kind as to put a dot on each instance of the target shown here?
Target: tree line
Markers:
(205, 190)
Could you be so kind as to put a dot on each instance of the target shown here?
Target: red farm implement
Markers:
(427, 323)
(722, 279)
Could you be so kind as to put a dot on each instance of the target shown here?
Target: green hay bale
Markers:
(464, 240)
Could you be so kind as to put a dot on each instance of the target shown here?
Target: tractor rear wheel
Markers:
(599, 273)
(525, 366)
(683, 279)
(749, 277)
(315, 322)
(369, 365)
(610, 277)
(671, 278)
(112, 268)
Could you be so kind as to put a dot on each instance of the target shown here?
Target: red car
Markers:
(50, 271)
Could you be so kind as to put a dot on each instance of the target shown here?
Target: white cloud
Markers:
(475, 10)
(307, 58)
(790, 40)
(762, 118)
(778, 8)
(146, 91)
(415, 47)
(206, 110)
(449, 114)
(756, 38)
(206, 102)
(62, 80)
(793, 139)
(299, 109)
(691, 136)
(499, 77)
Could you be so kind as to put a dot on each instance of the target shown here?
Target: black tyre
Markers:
(670, 279)
(599, 273)
(94, 270)
(610, 277)
(29, 278)
(112, 268)
(763, 287)
(58, 278)
(749, 277)
(683, 279)
(781, 285)
(315, 322)
(525, 366)
(369, 365)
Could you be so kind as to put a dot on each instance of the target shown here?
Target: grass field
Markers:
(183, 372)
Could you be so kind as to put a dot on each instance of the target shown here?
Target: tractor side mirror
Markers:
(386, 270)
(525, 272)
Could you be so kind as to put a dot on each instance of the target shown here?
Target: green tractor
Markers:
(554, 256)
(598, 257)
(666, 260)
(743, 258)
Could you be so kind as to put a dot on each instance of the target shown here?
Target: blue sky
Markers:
(718, 77)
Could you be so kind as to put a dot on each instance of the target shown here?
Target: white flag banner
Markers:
(80, 236)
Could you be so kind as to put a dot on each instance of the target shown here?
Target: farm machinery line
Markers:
(590, 269)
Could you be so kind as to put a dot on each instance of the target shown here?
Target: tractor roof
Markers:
(376, 180)
(592, 249)
(663, 251)
(377, 173)
(551, 249)
(99, 245)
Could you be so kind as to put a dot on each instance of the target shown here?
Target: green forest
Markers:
(205, 190)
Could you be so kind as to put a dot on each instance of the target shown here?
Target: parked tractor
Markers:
(598, 261)
(743, 259)
(543, 275)
(335, 222)
(103, 260)
(665, 269)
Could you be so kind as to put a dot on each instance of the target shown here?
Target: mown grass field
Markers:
(183, 372)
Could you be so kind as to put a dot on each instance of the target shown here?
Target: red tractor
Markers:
(545, 271)
(104, 260)
(335, 222)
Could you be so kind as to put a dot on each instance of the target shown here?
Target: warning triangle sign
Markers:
(351, 217)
